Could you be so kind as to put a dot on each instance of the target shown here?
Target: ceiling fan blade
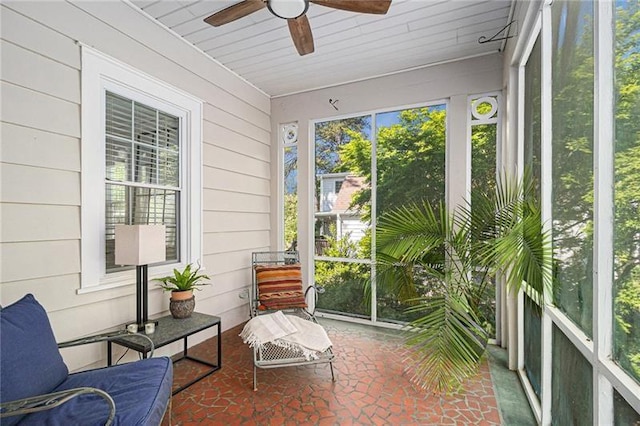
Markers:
(301, 34)
(378, 7)
(234, 12)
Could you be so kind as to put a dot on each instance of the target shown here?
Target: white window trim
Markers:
(99, 73)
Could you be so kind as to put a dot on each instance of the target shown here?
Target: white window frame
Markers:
(101, 73)
(526, 53)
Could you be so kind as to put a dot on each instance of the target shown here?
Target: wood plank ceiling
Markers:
(348, 46)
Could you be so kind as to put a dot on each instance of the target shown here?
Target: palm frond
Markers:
(448, 258)
(446, 344)
(409, 232)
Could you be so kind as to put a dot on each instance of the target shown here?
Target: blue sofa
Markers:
(136, 393)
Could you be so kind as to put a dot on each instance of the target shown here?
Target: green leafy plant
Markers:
(441, 262)
(183, 281)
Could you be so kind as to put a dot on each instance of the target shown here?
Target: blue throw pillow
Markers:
(30, 361)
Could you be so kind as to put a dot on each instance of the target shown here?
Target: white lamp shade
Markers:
(140, 244)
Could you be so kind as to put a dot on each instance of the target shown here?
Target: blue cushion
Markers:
(141, 391)
(30, 361)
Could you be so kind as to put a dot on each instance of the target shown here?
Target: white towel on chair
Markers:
(266, 328)
(310, 335)
(287, 331)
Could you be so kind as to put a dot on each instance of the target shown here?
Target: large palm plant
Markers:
(441, 262)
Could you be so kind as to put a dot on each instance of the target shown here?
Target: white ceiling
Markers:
(348, 46)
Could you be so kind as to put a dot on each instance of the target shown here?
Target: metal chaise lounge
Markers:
(264, 266)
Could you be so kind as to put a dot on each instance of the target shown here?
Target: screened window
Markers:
(589, 168)
(532, 114)
(484, 142)
(410, 167)
(532, 146)
(342, 214)
(623, 413)
(142, 171)
(572, 387)
(532, 343)
(483, 121)
(572, 146)
(289, 136)
(626, 272)
(366, 166)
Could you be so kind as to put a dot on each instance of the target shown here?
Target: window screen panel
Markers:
(572, 384)
(623, 413)
(532, 345)
(290, 223)
(626, 230)
(572, 162)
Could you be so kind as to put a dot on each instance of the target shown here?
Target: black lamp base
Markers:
(142, 306)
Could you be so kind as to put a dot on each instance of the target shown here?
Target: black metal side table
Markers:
(170, 330)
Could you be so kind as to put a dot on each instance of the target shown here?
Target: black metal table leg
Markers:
(171, 330)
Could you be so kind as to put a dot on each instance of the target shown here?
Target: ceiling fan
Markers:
(294, 12)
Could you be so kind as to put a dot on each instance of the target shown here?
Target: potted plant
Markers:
(181, 285)
(441, 262)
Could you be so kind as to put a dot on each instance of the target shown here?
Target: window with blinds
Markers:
(142, 174)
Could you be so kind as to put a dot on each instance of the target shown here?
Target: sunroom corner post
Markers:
(603, 207)
(546, 202)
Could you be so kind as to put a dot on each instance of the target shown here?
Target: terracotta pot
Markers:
(182, 304)
(181, 295)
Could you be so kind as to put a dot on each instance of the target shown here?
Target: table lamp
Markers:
(140, 245)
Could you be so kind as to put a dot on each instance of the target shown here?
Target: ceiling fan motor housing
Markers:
(288, 9)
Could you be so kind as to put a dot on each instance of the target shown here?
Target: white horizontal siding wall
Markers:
(41, 172)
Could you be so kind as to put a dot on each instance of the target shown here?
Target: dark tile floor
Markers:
(371, 388)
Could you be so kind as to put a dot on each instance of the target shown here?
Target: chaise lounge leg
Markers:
(333, 377)
(255, 379)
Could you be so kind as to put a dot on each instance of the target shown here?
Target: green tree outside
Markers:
(627, 189)
(573, 194)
